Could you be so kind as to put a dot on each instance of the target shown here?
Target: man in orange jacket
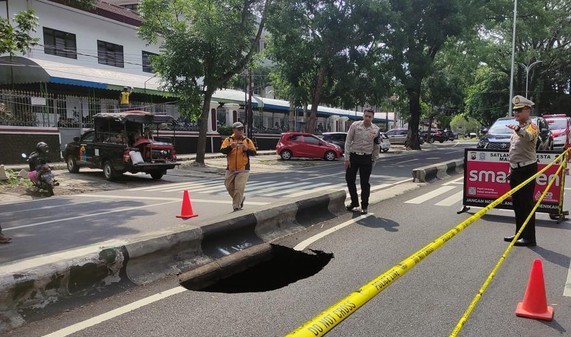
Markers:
(238, 150)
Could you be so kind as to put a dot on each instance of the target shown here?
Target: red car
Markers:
(560, 126)
(300, 144)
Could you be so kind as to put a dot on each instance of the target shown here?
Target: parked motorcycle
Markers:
(40, 173)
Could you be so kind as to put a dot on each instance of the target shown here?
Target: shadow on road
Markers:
(376, 222)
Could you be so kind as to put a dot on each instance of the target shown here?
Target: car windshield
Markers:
(557, 124)
(500, 126)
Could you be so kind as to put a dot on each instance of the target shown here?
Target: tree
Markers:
(17, 39)
(487, 98)
(543, 34)
(419, 30)
(317, 45)
(464, 125)
(204, 43)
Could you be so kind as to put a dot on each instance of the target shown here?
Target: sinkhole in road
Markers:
(278, 268)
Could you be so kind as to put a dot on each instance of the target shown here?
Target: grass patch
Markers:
(15, 180)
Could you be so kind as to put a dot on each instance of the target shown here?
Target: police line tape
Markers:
(492, 274)
(334, 315)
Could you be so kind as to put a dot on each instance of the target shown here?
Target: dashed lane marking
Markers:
(430, 195)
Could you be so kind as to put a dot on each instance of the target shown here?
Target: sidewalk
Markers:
(60, 165)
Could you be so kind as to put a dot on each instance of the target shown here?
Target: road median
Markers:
(437, 171)
(30, 285)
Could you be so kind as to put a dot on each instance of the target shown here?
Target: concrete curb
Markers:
(437, 171)
(153, 257)
(181, 158)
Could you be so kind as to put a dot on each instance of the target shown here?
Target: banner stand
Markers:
(486, 178)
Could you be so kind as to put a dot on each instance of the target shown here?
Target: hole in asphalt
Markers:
(282, 267)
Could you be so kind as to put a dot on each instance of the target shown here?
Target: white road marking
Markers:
(451, 200)
(86, 216)
(116, 312)
(268, 192)
(19, 265)
(430, 195)
(318, 189)
(211, 187)
(457, 181)
(305, 243)
(47, 207)
(162, 186)
(130, 197)
(567, 289)
(226, 202)
(407, 161)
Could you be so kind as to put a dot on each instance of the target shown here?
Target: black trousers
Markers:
(364, 165)
(523, 199)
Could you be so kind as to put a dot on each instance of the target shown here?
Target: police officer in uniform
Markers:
(523, 164)
(361, 151)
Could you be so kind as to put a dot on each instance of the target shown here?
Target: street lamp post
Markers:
(513, 58)
(527, 69)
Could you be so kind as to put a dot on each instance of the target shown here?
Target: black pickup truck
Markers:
(124, 142)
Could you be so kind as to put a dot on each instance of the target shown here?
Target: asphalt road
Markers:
(63, 223)
(427, 301)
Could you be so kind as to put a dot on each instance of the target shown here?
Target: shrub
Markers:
(225, 130)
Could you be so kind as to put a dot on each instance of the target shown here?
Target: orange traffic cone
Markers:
(534, 303)
(186, 211)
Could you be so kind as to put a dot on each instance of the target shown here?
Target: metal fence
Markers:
(28, 108)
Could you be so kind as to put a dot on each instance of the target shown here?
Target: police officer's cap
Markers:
(237, 125)
(521, 102)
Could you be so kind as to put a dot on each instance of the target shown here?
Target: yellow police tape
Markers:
(488, 281)
(331, 317)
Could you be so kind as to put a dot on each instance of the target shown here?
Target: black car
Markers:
(337, 138)
(498, 136)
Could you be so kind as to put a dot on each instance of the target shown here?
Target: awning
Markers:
(31, 70)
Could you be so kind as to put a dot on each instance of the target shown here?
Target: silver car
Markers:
(397, 136)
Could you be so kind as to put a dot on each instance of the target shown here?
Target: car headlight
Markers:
(482, 142)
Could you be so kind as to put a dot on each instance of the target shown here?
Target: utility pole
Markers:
(249, 111)
(513, 60)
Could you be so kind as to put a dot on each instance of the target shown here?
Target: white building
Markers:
(84, 58)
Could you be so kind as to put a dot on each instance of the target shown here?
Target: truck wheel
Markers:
(72, 165)
(156, 175)
(109, 171)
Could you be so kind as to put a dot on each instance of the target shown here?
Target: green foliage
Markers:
(419, 30)
(15, 180)
(543, 34)
(487, 99)
(17, 39)
(320, 49)
(204, 43)
(225, 130)
(464, 125)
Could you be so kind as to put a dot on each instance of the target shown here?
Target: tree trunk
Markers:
(412, 141)
(317, 93)
(291, 117)
(203, 128)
